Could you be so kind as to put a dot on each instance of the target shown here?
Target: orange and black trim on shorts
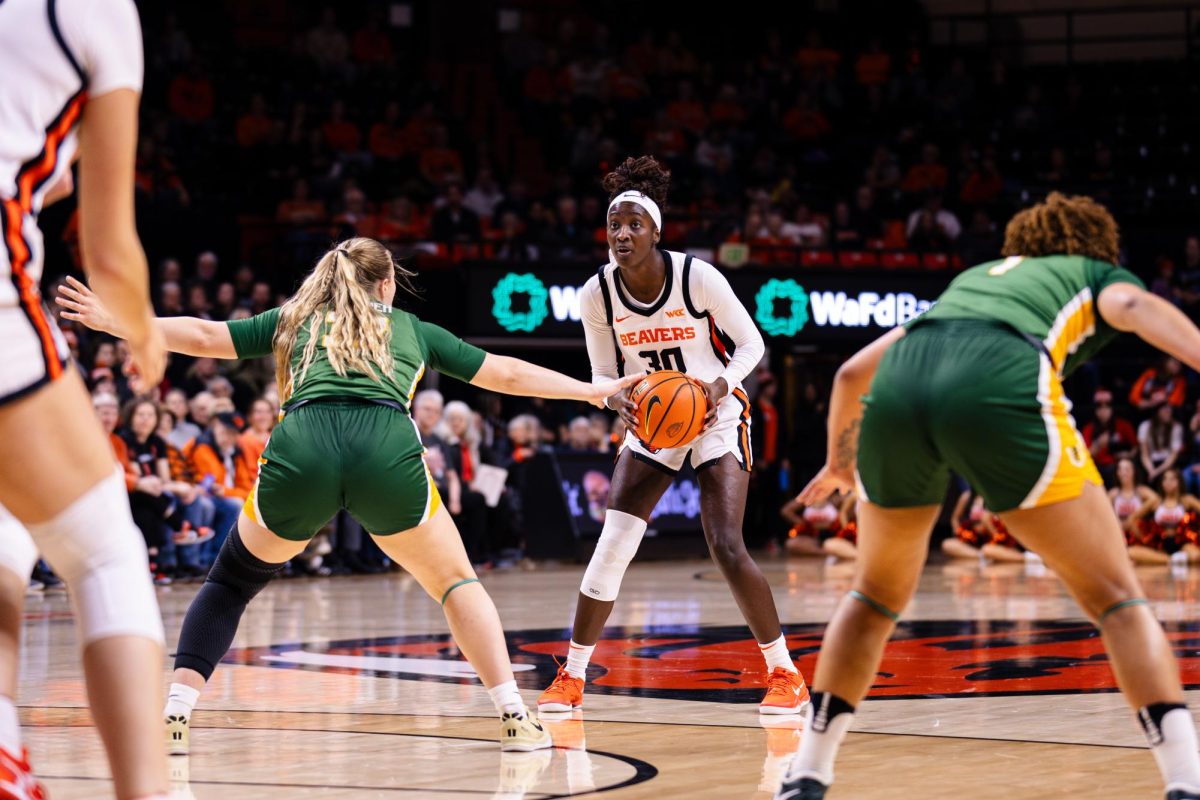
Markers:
(743, 434)
(13, 212)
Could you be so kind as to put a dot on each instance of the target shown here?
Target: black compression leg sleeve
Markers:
(212, 618)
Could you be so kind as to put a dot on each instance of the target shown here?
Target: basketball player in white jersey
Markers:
(70, 82)
(650, 309)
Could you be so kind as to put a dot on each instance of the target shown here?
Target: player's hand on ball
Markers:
(619, 402)
(824, 484)
(714, 392)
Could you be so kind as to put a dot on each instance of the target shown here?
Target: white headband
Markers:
(642, 200)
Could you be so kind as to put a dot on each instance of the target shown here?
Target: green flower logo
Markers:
(774, 294)
(502, 305)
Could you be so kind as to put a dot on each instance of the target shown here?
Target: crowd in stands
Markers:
(815, 136)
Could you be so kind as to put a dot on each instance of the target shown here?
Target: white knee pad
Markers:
(618, 544)
(17, 551)
(94, 546)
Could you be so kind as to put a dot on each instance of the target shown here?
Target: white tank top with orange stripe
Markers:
(696, 325)
(54, 55)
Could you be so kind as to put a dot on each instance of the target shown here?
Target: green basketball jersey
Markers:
(1051, 298)
(415, 346)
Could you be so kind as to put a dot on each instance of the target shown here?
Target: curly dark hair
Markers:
(643, 175)
(1061, 225)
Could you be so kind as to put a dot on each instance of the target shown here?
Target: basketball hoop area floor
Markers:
(995, 687)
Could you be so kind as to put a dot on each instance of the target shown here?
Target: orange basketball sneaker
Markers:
(786, 693)
(16, 778)
(566, 693)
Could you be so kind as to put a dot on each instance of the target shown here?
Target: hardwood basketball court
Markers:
(349, 688)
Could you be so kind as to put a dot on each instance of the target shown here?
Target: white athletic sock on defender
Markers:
(578, 656)
(10, 727)
(776, 655)
(1172, 735)
(506, 698)
(181, 700)
(826, 723)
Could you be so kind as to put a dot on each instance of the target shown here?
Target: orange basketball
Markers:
(670, 409)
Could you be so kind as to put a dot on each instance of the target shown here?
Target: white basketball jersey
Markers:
(671, 333)
(52, 52)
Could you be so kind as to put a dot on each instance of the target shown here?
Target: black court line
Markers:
(643, 770)
(322, 786)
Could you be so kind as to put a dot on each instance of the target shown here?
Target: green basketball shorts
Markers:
(974, 397)
(330, 455)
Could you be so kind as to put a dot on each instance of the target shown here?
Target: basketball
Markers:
(670, 409)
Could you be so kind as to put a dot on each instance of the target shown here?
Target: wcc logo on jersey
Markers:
(944, 658)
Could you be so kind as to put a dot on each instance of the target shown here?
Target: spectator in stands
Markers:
(190, 95)
(440, 163)
(1165, 284)
(226, 301)
(198, 303)
(983, 185)
(567, 238)
(200, 410)
(981, 241)
(254, 127)
(1189, 273)
(804, 121)
(1160, 440)
(1191, 475)
(341, 135)
(485, 195)
(300, 209)
(386, 141)
(401, 220)
(883, 173)
(1159, 385)
(453, 222)
(183, 431)
(514, 244)
(427, 408)
(525, 438)
(928, 176)
(223, 475)
(207, 266)
(327, 45)
(170, 300)
(259, 424)
(1109, 437)
(371, 45)
(932, 225)
(580, 437)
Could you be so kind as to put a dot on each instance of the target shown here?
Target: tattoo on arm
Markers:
(847, 445)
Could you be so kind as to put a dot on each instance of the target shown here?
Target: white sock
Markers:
(506, 698)
(578, 656)
(181, 700)
(826, 722)
(10, 727)
(1172, 738)
(776, 654)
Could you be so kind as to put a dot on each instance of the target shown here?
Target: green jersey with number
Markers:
(415, 346)
(1051, 298)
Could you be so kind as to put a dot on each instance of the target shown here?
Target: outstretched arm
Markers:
(514, 376)
(1130, 308)
(187, 335)
(845, 417)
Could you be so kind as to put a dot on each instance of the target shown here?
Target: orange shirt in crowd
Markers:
(386, 141)
(252, 448)
(689, 114)
(1147, 385)
(253, 129)
(342, 135)
(923, 177)
(805, 124)
(371, 47)
(121, 455)
(207, 461)
(300, 212)
(438, 162)
(190, 98)
(872, 69)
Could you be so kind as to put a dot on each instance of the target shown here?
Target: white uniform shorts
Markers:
(33, 351)
(730, 434)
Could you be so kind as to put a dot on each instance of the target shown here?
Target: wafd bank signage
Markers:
(800, 305)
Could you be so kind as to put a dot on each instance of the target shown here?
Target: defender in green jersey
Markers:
(347, 365)
(975, 386)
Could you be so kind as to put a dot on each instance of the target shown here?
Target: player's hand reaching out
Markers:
(826, 482)
(80, 304)
(603, 393)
